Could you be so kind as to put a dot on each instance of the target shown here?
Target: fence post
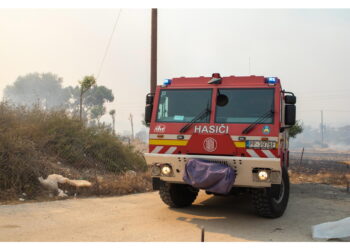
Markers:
(202, 235)
(301, 157)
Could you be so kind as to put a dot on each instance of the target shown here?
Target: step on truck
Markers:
(222, 135)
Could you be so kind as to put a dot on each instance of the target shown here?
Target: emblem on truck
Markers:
(160, 128)
(210, 144)
(266, 130)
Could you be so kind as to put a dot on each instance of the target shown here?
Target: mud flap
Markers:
(212, 177)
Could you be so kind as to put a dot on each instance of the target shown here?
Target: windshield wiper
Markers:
(260, 119)
(200, 116)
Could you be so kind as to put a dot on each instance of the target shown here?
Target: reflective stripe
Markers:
(168, 136)
(252, 153)
(254, 138)
(157, 149)
(171, 150)
(168, 142)
(268, 153)
(239, 144)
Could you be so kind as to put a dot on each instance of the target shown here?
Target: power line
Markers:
(108, 44)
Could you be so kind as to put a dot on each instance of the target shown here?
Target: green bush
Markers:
(77, 144)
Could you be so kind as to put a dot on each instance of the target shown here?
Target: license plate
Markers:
(261, 144)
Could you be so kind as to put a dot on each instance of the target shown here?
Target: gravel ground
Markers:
(143, 217)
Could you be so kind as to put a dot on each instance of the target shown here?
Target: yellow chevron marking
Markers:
(239, 144)
(168, 142)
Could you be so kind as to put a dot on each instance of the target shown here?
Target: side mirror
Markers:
(148, 113)
(290, 99)
(149, 108)
(149, 98)
(290, 113)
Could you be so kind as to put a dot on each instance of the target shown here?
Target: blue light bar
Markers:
(271, 80)
(166, 82)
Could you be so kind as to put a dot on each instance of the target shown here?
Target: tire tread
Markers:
(177, 195)
(263, 203)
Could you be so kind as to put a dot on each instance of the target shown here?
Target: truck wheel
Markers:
(272, 202)
(177, 195)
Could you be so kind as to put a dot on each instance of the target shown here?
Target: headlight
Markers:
(166, 170)
(263, 175)
(156, 170)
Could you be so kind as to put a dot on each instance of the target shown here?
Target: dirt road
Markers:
(143, 217)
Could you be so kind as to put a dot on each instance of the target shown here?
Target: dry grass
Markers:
(102, 186)
(122, 184)
(324, 178)
(35, 142)
(320, 167)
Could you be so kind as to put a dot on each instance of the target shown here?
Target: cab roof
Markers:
(226, 81)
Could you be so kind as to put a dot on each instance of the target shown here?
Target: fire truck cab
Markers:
(240, 122)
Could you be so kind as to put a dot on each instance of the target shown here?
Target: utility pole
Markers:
(132, 126)
(322, 128)
(154, 30)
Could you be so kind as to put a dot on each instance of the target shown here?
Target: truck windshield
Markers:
(183, 105)
(245, 106)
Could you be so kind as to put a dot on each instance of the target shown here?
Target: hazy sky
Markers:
(308, 49)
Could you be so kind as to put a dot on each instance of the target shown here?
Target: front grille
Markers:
(218, 161)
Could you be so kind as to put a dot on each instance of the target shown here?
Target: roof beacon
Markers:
(166, 82)
(216, 79)
(271, 80)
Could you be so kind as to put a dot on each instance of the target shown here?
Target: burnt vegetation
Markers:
(319, 167)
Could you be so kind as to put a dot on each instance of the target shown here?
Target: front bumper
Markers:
(244, 166)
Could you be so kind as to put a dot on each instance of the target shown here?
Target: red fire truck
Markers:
(239, 122)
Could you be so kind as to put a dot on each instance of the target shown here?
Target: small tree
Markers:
(97, 112)
(85, 85)
(295, 129)
(112, 113)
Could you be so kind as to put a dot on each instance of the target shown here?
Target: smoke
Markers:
(334, 138)
(34, 88)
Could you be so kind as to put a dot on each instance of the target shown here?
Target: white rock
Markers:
(61, 194)
(331, 230)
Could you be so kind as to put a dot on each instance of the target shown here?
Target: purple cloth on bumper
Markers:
(213, 177)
